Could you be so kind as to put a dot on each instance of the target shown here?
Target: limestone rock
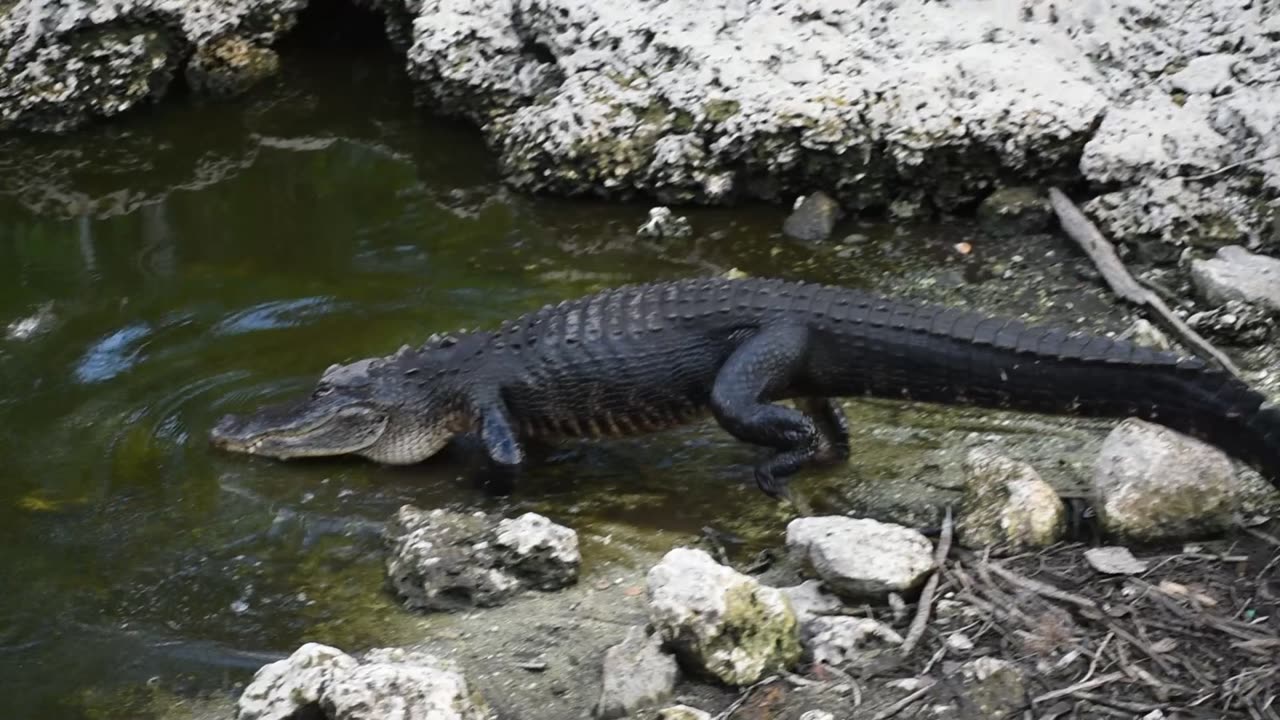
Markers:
(543, 554)
(1234, 323)
(720, 621)
(1237, 274)
(995, 687)
(637, 674)
(1156, 484)
(1007, 502)
(321, 681)
(683, 712)
(230, 66)
(1015, 211)
(813, 218)
(289, 686)
(860, 558)
(442, 560)
(663, 223)
(844, 640)
(810, 601)
(396, 684)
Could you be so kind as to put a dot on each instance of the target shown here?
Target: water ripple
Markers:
(278, 314)
(113, 354)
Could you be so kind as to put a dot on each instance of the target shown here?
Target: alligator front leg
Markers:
(760, 368)
(497, 434)
(833, 428)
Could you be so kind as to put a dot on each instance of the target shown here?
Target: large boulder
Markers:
(441, 560)
(862, 558)
(1237, 274)
(1155, 484)
(1007, 502)
(637, 673)
(719, 621)
(322, 682)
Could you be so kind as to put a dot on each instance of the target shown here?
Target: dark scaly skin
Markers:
(641, 358)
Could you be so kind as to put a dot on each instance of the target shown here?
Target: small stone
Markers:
(541, 553)
(637, 674)
(848, 640)
(1007, 502)
(1237, 274)
(813, 219)
(1015, 211)
(995, 687)
(663, 223)
(960, 642)
(860, 557)
(817, 715)
(1144, 333)
(1156, 484)
(1115, 560)
(230, 66)
(683, 712)
(810, 601)
(720, 621)
(908, 685)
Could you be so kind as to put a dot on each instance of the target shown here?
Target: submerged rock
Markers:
(443, 560)
(813, 218)
(324, 682)
(229, 66)
(861, 558)
(848, 640)
(637, 674)
(1007, 502)
(720, 621)
(1015, 211)
(1156, 484)
(1237, 274)
(663, 223)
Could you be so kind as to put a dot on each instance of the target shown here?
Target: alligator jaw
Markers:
(281, 434)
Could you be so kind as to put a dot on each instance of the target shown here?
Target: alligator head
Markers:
(393, 410)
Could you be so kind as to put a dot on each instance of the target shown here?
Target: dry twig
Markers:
(1104, 257)
(924, 607)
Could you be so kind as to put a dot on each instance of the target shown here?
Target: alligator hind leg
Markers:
(833, 427)
(762, 367)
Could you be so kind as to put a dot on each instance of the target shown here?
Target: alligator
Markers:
(646, 357)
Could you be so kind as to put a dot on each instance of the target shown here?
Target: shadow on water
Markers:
(200, 258)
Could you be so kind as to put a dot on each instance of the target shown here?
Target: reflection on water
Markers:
(161, 271)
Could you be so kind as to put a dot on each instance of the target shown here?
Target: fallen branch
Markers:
(1104, 257)
(924, 608)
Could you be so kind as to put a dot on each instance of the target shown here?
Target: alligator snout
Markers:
(224, 433)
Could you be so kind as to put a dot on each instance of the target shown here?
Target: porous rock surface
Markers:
(441, 560)
(63, 64)
(322, 681)
(846, 640)
(637, 673)
(1237, 274)
(1006, 501)
(905, 104)
(720, 622)
(862, 558)
(1155, 484)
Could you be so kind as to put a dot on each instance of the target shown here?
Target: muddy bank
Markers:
(908, 106)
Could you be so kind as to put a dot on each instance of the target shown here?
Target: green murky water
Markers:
(197, 259)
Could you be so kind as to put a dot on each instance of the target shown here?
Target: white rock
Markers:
(960, 642)
(541, 552)
(859, 557)
(721, 621)
(1115, 560)
(1237, 274)
(637, 674)
(1156, 484)
(285, 687)
(663, 223)
(1006, 501)
(810, 601)
(401, 685)
(683, 712)
(817, 715)
(849, 640)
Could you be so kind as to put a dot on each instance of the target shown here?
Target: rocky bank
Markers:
(1167, 111)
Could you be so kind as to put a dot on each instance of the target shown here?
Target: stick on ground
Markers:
(1104, 257)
